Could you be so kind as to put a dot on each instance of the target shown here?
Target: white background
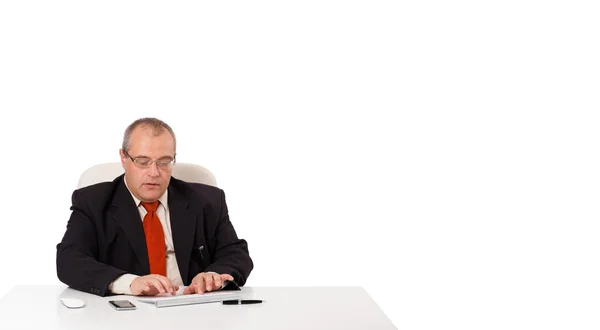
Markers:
(443, 155)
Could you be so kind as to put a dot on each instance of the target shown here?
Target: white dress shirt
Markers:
(122, 283)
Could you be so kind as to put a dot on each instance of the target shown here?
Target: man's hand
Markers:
(204, 282)
(151, 285)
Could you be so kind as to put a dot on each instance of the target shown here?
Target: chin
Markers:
(152, 196)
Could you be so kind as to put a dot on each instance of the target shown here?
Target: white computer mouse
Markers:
(72, 302)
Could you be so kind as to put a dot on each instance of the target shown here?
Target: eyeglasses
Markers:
(165, 163)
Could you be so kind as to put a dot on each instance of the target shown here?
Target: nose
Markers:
(153, 170)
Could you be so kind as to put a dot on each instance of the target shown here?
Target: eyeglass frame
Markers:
(152, 161)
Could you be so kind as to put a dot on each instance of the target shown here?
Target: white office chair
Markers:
(182, 171)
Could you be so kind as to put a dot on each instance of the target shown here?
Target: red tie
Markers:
(155, 240)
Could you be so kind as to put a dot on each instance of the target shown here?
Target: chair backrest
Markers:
(182, 171)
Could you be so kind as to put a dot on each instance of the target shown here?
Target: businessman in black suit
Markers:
(146, 233)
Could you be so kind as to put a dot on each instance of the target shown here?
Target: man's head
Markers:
(147, 155)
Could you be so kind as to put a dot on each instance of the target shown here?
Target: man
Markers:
(147, 233)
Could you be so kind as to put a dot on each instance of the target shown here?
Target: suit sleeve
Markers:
(77, 262)
(231, 253)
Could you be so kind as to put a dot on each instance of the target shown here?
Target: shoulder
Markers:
(197, 191)
(98, 194)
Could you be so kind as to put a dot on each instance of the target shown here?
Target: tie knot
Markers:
(150, 207)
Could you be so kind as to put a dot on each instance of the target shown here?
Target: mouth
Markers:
(151, 185)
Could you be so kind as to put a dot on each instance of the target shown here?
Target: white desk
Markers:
(38, 307)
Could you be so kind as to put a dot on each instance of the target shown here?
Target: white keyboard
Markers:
(190, 299)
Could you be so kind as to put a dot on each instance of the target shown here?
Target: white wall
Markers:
(444, 155)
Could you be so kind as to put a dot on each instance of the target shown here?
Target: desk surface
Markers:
(39, 307)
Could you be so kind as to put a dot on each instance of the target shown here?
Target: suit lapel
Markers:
(128, 217)
(183, 225)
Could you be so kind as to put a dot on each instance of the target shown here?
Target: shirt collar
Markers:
(163, 199)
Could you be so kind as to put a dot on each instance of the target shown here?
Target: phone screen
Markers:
(122, 303)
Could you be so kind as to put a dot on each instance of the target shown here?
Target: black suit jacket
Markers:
(105, 237)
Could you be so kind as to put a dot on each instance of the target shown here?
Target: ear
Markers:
(123, 157)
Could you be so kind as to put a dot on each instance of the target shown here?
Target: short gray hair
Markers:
(156, 125)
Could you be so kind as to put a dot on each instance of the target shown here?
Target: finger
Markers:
(190, 289)
(166, 284)
(200, 284)
(149, 290)
(209, 283)
(156, 284)
(217, 281)
(226, 277)
(139, 289)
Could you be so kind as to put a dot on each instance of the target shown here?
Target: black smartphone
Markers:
(122, 305)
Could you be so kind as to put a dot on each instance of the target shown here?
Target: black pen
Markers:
(241, 302)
